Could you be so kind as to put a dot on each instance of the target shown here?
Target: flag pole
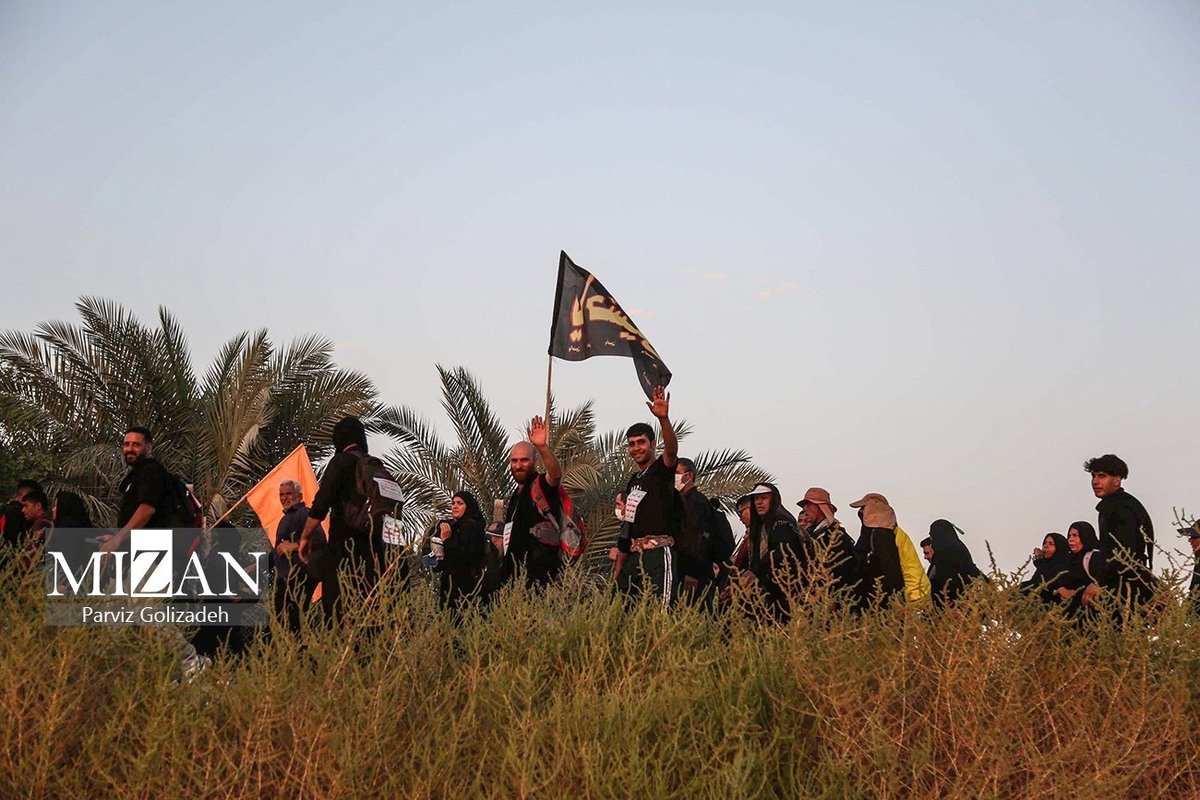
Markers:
(549, 374)
(229, 511)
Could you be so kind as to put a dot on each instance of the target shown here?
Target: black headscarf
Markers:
(348, 431)
(1047, 569)
(943, 537)
(953, 565)
(1087, 537)
(474, 511)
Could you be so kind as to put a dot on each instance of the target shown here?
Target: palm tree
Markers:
(77, 388)
(595, 466)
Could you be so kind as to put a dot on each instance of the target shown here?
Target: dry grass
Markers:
(573, 694)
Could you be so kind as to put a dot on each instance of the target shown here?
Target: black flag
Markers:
(589, 322)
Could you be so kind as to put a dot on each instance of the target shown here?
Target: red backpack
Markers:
(569, 524)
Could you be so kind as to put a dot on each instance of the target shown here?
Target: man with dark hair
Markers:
(12, 522)
(703, 542)
(830, 541)
(927, 552)
(1125, 528)
(530, 544)
(651, 512)
(1122, 562)
(778, 553)
(358, 551)
(146, 505)
(145, 492)
(34, 508)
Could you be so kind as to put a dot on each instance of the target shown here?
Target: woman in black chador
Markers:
(1052, 567)
(461, 563)
(953, 566)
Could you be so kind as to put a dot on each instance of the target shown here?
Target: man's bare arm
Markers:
(141, 517)
(539, 437)
(305, 548)
(660, 407)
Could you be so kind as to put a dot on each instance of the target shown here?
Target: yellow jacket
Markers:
(916, 582)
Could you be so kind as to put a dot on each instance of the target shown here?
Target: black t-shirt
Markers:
(656, 512)
(148, 483)
(540, 561)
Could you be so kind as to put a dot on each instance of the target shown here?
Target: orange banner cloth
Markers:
(264, 497)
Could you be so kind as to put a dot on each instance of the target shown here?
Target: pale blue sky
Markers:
(944, 251)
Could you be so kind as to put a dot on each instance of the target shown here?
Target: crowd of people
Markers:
(673, 543)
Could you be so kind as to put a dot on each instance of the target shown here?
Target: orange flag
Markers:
(264, 497)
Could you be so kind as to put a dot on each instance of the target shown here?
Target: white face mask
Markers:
(678, 482)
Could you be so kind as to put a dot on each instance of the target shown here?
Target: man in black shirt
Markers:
(1125, 528)
(1126, 536)
(704, 543)
(145, 499)
(529, 544)
(146, 505)
(651, 510)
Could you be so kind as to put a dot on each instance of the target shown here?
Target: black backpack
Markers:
(375, 495)
(187, 519)
(186, 511)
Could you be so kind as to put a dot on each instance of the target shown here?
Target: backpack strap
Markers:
(539, 498)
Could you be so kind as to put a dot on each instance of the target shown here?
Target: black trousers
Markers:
(291, 596)
(650, 571)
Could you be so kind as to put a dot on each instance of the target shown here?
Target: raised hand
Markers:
(661, 405)
(538, 433)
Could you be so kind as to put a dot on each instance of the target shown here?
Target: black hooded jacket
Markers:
(338, 482)
(880, 573)
(778, 551)
(953, 566)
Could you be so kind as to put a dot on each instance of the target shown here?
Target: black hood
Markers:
(777, 511)
(348, 431)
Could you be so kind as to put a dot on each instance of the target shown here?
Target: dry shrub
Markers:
(575, 692)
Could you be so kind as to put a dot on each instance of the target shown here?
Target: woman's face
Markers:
(458, 507)
(1048, 547)
(1073, 541)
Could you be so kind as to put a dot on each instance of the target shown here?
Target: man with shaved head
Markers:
(528, 542)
